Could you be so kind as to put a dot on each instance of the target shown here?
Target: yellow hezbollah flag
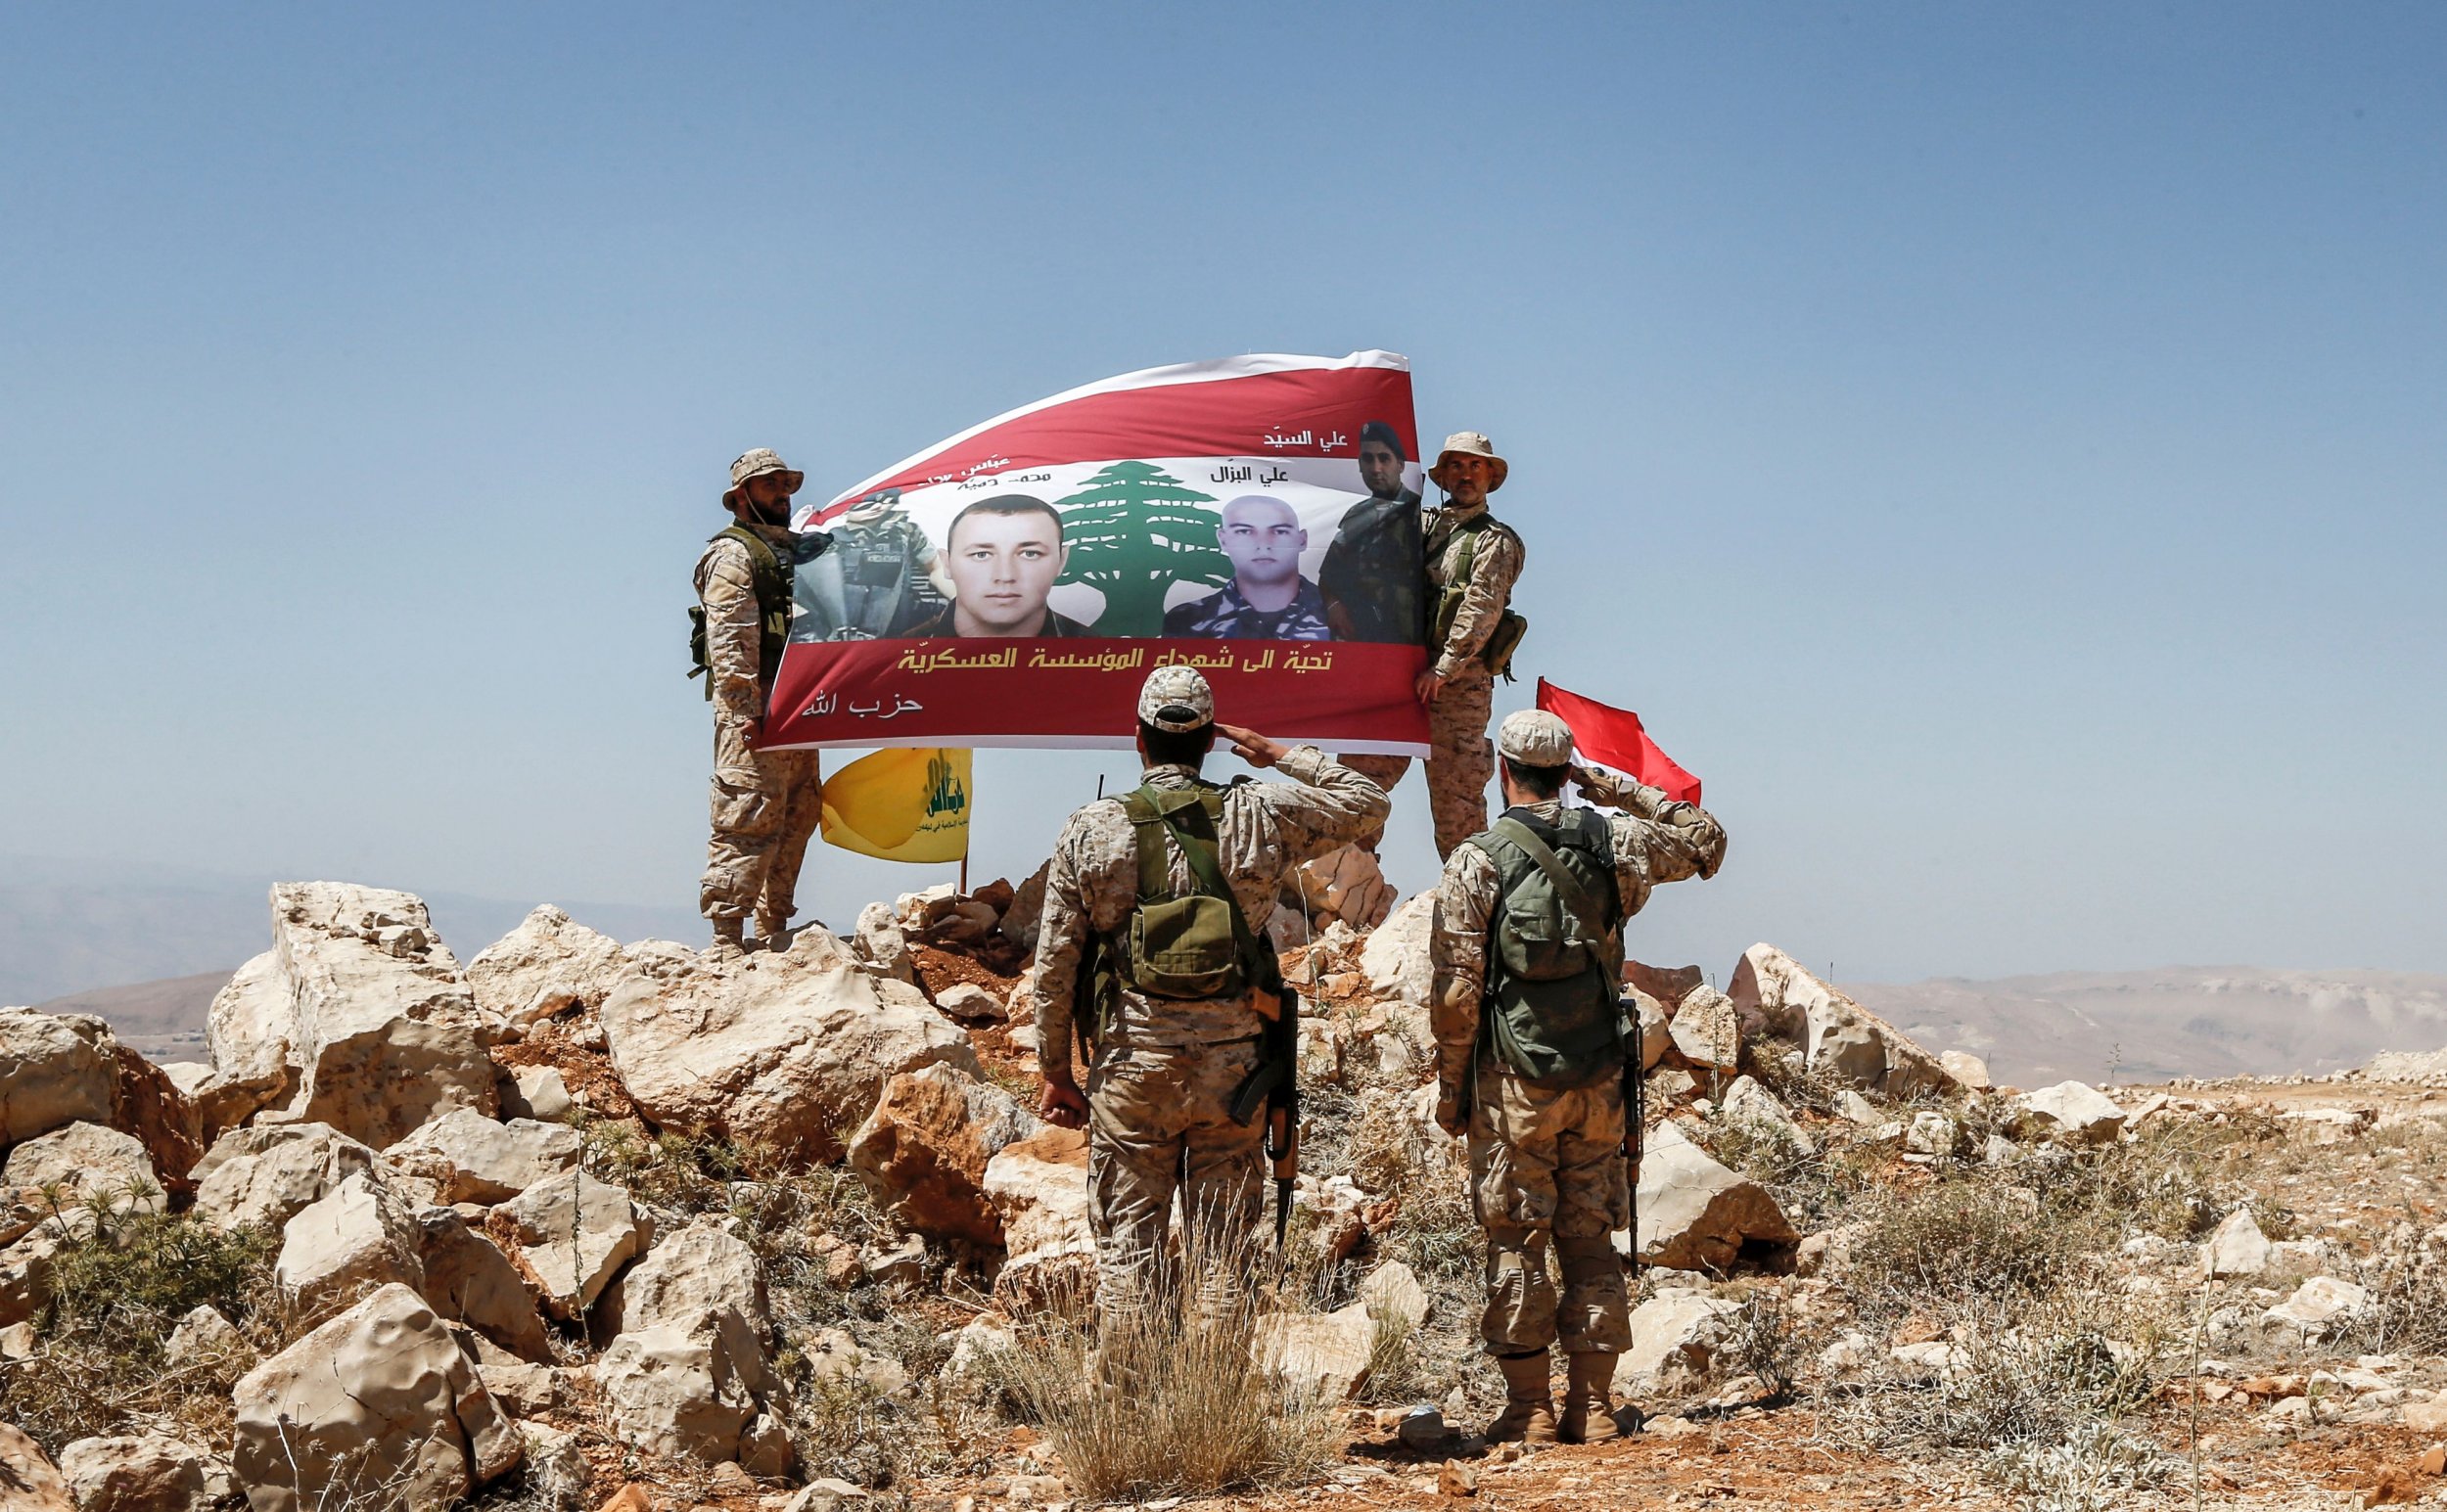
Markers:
(903, 805)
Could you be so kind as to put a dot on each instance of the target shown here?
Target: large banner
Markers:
(1256, 518)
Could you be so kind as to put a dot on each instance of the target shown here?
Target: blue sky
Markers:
(1998, 448)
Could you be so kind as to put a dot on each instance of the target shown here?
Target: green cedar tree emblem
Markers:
(1134, 531)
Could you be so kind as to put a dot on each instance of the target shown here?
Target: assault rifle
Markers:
(1277, 1084)
(1634, 1100)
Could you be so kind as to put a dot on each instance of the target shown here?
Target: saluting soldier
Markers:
(765, 804)
(1162, 897)
(1532, 1044)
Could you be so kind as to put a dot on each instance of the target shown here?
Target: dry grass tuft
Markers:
(1167, 1398)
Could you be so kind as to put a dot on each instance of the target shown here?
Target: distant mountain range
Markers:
(2172, 1020)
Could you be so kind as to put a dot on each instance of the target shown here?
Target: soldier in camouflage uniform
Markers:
(1459, 686)
(766, 802)
(1547, 1159)
(873, 582)
(1166, 1068)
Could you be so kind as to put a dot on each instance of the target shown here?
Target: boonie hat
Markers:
(1534, 737)
(1470, 443)
(758, 463)
(1176, 699)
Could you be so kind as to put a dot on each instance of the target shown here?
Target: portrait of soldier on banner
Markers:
(1002, 556)
(872, 579)
(1266, 598)
(1371, 577)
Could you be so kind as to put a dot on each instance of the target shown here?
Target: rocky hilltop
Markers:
(580, 1223)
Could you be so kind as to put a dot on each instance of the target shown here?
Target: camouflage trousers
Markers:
(765, 807)
(1460, 762)
(1159, 1124)
(1546, 1173)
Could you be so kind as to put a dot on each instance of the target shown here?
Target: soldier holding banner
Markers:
(765, 804)
(1472, 561)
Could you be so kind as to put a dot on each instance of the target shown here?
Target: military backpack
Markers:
(771, 576)
(1554, 1010)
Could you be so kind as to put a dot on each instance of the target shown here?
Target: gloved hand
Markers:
(1450, 1115)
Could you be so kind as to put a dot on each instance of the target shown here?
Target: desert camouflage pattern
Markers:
(1462, 759)
(1092, 882)
(726, 588)
(1546, 1173)
(1158, 1125)
(1492, 572)
(765, 807)
(1546, 1165)
(765, 804)
(1160, 1091)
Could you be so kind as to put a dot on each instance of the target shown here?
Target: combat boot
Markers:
(1529, 1406)
(773, 931)
(729, 939)
(1589, 1399)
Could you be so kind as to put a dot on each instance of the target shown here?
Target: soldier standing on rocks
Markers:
(1178, 993)
(1532, 1040)
(1472, 561)
(766, 802)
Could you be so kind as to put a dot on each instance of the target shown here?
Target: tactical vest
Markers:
(1554, 1011)
(1186, 946)
(770, 575)
(1501, 641)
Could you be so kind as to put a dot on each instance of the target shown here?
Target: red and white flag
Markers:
(1615, 740)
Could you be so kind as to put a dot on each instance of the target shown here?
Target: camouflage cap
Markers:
(1470, 443)
(1534, 737)
(756, 464)
(1176, 699)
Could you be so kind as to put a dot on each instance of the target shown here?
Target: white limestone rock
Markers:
(269, 1174)
(1706, 1034)
(380, 1396)
(548, 965)
(1675, 1336)
(469, 1158)
(2318, 1309)
(1656, 1035)
(1753, 1106)
(2237, 1248)
(470, 1281)
(1039, 1186)
(1347, 884)
(142, 1473)
(537, 1092)
(2070, 1112)
(574, 1234)
(386, 1033)
(780, 1054)
(1696, 1214)
(1780, 1001)
(247, 1032)
(203, 1336)
(54, 1070)
(359, 1238)
(1394, 962)
(93, 1162)
(1969, 1072)
(677, 1391)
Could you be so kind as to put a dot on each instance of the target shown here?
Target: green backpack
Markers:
(1554, 1010)
(771, 576)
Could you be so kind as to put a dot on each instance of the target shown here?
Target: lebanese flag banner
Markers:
(1615, 739)
(1256, 518)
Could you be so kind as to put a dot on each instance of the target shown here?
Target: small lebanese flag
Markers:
(1612, 738)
